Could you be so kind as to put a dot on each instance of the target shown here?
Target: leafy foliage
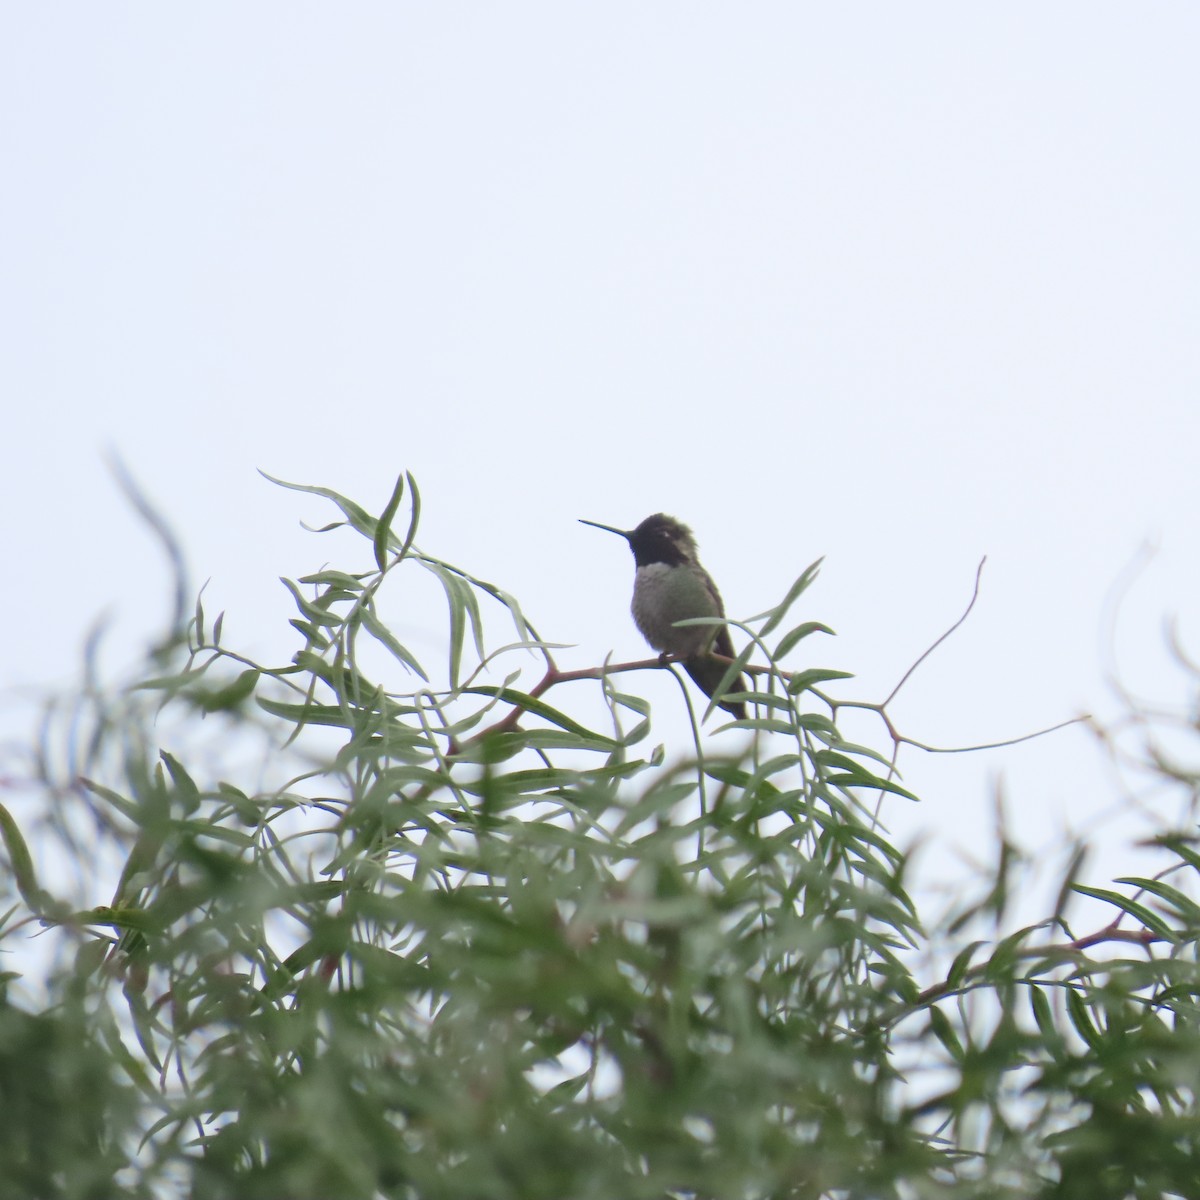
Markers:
(389, 928)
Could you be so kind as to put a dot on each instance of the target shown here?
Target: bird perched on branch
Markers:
(670, 585)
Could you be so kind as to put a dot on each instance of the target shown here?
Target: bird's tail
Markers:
(707, 673)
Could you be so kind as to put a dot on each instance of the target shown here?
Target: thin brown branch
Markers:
(549, 680)
(1067, 950)
(900, 739)
(957, 624)
(1025, 737)
(1110, 933)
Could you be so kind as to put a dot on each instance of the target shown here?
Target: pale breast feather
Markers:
(664, 594)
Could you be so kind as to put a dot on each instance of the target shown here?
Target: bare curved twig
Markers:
(957, 624)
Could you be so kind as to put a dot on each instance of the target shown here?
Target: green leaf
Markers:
(185, 786)
(1082, 1020)
(863, 779)
(1179, 845)
(172, 683)
(1043, 1014)
(21, 863)
(137, 919)
(312, 635)
(414, 518)
(382, 634)
(383, 529)
(841, 758)
(463, 607)
(314, 612)
(541, 709)
(357, 516)
(962, 960)
(1187, 908)
(125, 807)
(790, 640)
(280, 980)
(230, 696)
(1078, 856)
(311, 714)
(945, 1033)
(334, 581)
(801, 681)
(1139, 912)
(818, 724)
(775, 615)
(382, 966)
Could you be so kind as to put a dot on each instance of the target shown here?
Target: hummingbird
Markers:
(670, 585)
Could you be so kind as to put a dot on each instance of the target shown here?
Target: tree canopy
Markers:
(383, 926)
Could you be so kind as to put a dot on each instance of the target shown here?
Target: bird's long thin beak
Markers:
(611, 528)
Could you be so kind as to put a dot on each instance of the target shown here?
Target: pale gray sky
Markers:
(897, 284)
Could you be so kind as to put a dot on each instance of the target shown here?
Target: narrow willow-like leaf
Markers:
(539, 708)
(134, 1070)
(315, 613)
(311, 714)
(383, 530)
(769, 726)
(790, 640)
(656, 801)
(1082, 1021)
(1187, 908)
(173, 683)
(231, 695)
(185, 785)
(525, 783)
(815, 723)
(853, 834)
(281, 979)
(732, 672)
(841, 757)
(414, 518)
(945, 1033)
(1139, 912)
(1000, 967)
(21, 862)
(1179, 845)
(457, 597)
(358, 516)
(525, 631)
(126, 807)
(962, 960)
(334, 581)
(311, 634)
(1043, 1015)
(143, 1028)
(382, 966)
(1067, 886)
(767, 700)
(801, 681)
(382, 634)
(775, 615)
(139, 920)
(869, 782)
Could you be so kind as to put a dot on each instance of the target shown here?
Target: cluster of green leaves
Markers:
(457, 941)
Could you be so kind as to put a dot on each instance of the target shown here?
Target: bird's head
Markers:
(658, 539)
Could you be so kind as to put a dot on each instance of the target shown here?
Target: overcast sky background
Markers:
(897, 285)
